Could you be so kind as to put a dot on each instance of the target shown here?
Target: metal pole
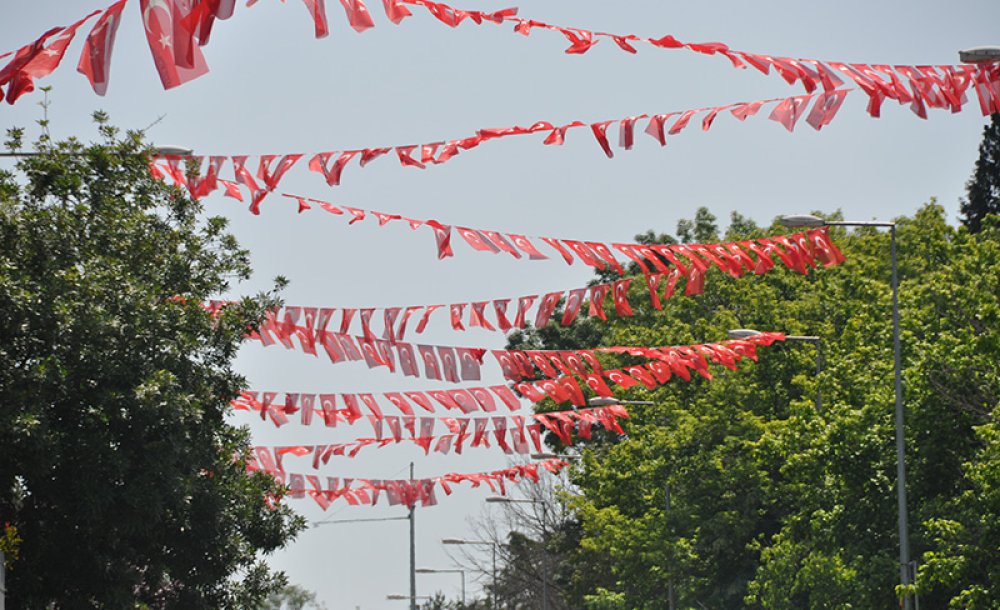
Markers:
(3, 581)
(670, 581)
(819, 370)
(462, 572)
(413, 551)
(496, 603)
(904, 536)
(545, 562)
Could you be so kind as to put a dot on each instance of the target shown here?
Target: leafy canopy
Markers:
(125, 484)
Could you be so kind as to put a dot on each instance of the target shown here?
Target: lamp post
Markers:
(601, 401)
(743, 333)
(904, 535)
(411, 517)
(480, 542)
(545, 554)
(446, 571)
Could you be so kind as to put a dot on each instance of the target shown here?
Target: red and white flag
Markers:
(13, 70)
(95, 61)
(161, 19)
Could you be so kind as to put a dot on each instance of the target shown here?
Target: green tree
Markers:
(125, 483)
(773, 503)
(984, 188)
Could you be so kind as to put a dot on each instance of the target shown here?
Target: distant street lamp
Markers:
(456, 541)
(605, 401)
(411, 517)
(398, 597)
(435, 571)
(172, 151)
(979, 55)
(744, 333)
(553, 456)
(804, 221)
(158, 151)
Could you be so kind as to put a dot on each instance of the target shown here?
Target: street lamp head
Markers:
(425, 571)
(544, 456)
(172, 151)
(602, 401)
(454, 541)
(499, 500)
(979, 55)
(742, 333)
(802, 220)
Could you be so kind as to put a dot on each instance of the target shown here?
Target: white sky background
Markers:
(273, 88)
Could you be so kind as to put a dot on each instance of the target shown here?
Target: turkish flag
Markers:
(161, 19)
(45, 62)
(95, 61)
(11, 73)
(317, 9)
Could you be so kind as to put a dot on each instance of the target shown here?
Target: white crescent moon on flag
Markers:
(149, 8)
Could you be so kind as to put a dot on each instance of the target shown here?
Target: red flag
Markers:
(789, 110)
(825, 108)
(546, 307)
(158, 18)
(395, 10)
(357, 15)
(620, 294)
(12, 71)
(573, 302)
(442, 233)
(332, 173)
(45, 62)
(525, 244)
(317, 9)
(449, 363)
(507, 396)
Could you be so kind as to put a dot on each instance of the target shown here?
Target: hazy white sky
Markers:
(274, 89)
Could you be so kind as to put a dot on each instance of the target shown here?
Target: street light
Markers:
(545, 554)
(411, 517)
(445, 571)
(172, 151)
(904, 535)
(979, 55)
(604, 401)
(554, 456)
(158, 151)
(455, 541)
(745, 333)
(399, 597)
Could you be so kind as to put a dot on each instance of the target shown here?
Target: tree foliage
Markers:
(774, 502)
(126, 485)
(984, 188)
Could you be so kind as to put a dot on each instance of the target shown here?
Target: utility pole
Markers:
(670, 581)
(413, 551)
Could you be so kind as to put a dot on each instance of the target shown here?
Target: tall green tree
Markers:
(983, 189)
(125, 483)
(774, 502)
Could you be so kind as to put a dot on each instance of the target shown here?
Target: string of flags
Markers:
(406, 492)
(332, 164)
(511, 434)
(177, 29)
